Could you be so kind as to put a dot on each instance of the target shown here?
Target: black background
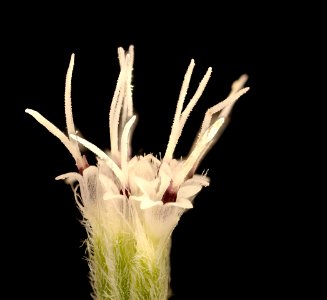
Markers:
(238, 239)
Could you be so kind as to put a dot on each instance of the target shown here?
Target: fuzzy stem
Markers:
(122, 270)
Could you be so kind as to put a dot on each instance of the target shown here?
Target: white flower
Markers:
(147, 179)
(140, 197)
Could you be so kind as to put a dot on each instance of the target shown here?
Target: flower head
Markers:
(139, 197)
(147, 179)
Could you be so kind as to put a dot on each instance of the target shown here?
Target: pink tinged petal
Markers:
(188, 191)
(183, 203)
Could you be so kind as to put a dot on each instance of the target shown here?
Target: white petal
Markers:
(144, 168)
(110, 196)
(198, 179)
(152, 159)
(70, 177)
(108, 184)
(164, 183)
(183, 203)
(137, 198)
(145, 186)
(188, 191)
(165, 168)
(149, 203)
(90, 172)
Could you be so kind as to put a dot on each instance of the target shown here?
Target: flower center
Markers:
(126, 192)
(170, 195)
